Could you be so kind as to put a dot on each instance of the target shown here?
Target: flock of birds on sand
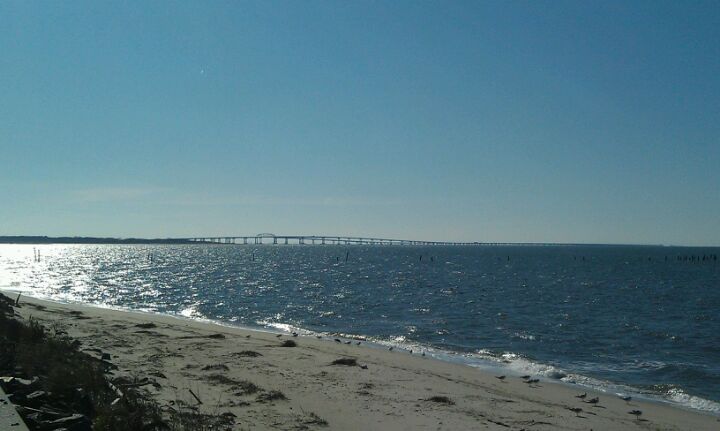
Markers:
(582, 397)
(526, 379)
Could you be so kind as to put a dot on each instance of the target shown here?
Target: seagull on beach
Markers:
(576, 410)
(637, 413)
(390, 349)
(294, 334)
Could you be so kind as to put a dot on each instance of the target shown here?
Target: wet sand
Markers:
(247, 374)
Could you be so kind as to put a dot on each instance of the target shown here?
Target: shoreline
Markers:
(392, 392)
(481, 364)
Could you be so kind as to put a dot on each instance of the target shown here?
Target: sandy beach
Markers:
(251, 377)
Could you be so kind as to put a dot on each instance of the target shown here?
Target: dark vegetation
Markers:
(55, 386)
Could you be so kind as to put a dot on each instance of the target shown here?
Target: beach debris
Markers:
(357, 344)
(627, 398)
(148, 325)
(247, 336)
(313, 419)
(391, 348)
(216, 336)
(350, 362)
(348, 342)
(248, 353)
(637, 413)
(17, 300)
(532, 381)
(125, 383)
(525, 377)
(581, 396)
(338, 340)
(288, 343)
(215, 367)
(294, 334)
(576, 410)
(271, 396)
(195, 396)
(442, 399)
(364, 367)
(501, 378)
(245, 387)
(593, 400)
(37, 399)
(279, 335)
(75, 421)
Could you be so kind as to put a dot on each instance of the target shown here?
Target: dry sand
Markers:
(393, 393)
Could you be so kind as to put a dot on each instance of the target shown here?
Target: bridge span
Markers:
(269, 238)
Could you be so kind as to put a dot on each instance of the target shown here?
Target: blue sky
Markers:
(490, 121)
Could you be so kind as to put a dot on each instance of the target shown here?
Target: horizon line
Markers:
(81, 239)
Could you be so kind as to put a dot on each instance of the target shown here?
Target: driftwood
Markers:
(196, 397)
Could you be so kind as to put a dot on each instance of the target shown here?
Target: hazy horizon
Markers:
(544, 122)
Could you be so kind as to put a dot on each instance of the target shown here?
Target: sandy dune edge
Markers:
(238, 371)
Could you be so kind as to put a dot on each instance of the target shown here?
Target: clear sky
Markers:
(578, 121)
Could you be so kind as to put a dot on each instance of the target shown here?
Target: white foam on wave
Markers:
(517, 364)
(679, 396)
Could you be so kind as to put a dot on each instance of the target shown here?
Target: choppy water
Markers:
(623, 319)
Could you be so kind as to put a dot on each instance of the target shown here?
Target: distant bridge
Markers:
(269, 238)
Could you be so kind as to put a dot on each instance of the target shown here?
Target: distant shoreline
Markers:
(42, 239)
(88, 240)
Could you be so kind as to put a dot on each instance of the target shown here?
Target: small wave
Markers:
(679, 396)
